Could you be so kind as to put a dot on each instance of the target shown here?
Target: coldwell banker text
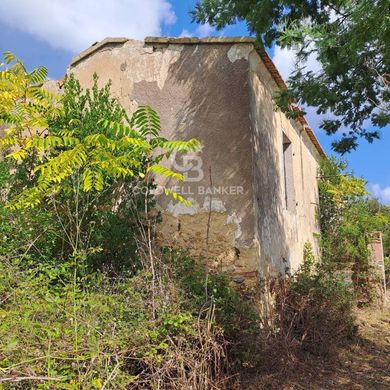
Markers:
(205, 190)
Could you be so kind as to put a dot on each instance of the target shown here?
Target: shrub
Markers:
(387, 270)
(26, 234)
(232, 310)
(91, 332)
(347, 218)
(313, 311)
(67, 320)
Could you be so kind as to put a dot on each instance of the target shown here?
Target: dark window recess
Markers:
(288, 176)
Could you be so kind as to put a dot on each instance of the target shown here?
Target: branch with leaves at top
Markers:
(113, 151)
(120, 153)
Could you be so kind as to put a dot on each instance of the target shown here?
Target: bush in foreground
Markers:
(60, 330)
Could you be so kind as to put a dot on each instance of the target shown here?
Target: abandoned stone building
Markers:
(257, 169)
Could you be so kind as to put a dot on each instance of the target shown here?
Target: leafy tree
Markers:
(24, 105)
(347, 218)
(349, 39)
(26, 234)
(87, 158)
(24, 109)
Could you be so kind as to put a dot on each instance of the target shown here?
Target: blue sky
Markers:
(51, 32)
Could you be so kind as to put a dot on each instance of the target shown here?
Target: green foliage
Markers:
(23, 104)
(354, 81)
(313, 311)
(309, 260)
(24, 234)
(387, 270)
(350, 41)
(262, 17)
(338, 189)
(78, 146)
(92, 169)
(232, 312)
(91, 332)
(386, 230)
(347, 218)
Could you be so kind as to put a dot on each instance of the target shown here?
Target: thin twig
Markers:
(31, 378)
(110, 376)
(208, 234)
(149, 243)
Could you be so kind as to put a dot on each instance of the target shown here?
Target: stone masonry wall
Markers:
(218, 90)
(199, 91)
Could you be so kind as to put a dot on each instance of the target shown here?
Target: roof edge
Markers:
(196, 41)
(160, 40)
(97, 46)
(266, 59)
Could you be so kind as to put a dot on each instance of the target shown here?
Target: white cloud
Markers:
(185, 34)
(285, 59)
(75, 24)
(201, 31)
(204, 30)
(382, 193)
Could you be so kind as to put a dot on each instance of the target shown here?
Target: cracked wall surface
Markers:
(282, 231)
(217, 91)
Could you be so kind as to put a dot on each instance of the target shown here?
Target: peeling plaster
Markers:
(238, 52)
(217, 205)
(155, 68)
(234, 219)
(201, 91)
(177, 208)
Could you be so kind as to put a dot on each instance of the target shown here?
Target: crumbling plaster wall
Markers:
(282, 231)
(200, 91)
(220, 93)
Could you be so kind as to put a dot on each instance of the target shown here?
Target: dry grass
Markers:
(361, 364)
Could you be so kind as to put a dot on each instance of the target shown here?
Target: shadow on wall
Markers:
(206, 96)
(209, 97)
(270, 224)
